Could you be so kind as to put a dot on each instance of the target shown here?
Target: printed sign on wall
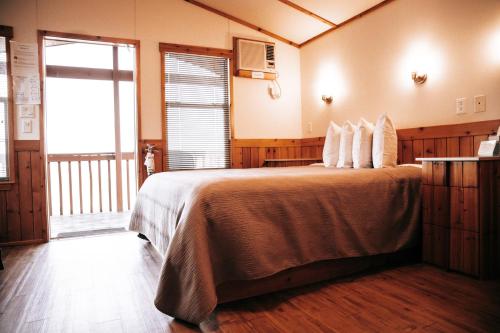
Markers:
(26, 80)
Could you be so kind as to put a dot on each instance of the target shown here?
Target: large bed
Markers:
(219, 228)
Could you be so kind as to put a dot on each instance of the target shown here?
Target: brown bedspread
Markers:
(223, 225)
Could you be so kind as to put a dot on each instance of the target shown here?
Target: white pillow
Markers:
(362, 144)
(345, 150)
(331, 147)
(385, 143)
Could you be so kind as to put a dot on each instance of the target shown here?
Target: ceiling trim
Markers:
(355, 17)
(243, 22)
(308, 12)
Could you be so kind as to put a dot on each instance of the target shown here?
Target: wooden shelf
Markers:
(287, 162)
(248, 74)
(458, 159)
(291, 159)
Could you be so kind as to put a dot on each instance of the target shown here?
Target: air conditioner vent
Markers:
(255, 56)
(270, 56)
(269, 52)
(251, 56)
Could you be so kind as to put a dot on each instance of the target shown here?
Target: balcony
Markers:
(85, 194)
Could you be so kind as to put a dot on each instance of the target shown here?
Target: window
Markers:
(197, 110)
(5, 108)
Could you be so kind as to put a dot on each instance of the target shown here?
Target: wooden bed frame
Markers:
(312, 273)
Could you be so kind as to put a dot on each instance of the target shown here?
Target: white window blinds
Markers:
(197, 111)
(4, 135)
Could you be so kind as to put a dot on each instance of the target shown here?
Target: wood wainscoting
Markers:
(251, 153)
(460, 140)
(22, 203)
(434, 141)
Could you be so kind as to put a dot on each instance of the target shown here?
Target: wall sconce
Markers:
(327, 99)
(418, 78)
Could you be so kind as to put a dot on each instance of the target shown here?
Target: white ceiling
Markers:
(337, 11)
(290, 23)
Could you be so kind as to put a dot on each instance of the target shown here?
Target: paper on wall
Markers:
(20, 134)
(26, 89)
(25, 76)
(24, 59)
(26, 111)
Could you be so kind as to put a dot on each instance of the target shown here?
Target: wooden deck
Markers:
(88, 224)
(107, 284)
(91, 183)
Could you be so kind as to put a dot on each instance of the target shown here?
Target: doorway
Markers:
(91, 136)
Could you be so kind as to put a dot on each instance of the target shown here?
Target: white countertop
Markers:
(457, 159)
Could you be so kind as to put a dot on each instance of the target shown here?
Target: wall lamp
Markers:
(418, 78)
(327, 99)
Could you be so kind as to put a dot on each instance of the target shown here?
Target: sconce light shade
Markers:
(418, 78)
(327, 99)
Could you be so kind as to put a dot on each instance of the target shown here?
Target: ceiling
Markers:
(292, 21)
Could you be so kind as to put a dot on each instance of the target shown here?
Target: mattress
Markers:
(215, 226)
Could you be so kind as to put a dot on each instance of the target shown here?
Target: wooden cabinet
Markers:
(461, 214)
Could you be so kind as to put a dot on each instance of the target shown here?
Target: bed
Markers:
(221, 232)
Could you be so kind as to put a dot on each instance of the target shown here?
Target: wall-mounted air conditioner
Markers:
(254, 59)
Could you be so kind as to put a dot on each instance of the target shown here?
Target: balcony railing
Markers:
(87, 183)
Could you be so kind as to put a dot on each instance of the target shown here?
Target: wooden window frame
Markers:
(199, 50)
(8, 33)
(115, 74)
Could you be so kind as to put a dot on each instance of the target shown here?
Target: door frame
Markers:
(137, 79)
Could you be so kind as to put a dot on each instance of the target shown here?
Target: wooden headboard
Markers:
(431, 141)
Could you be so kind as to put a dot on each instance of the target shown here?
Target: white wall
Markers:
(256, 115)
(366, 65)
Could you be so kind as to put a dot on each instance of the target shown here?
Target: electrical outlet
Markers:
(461, 105)
(480, 103)
(310, 127)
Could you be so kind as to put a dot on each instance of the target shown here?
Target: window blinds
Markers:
(3, 111)
(197, 111)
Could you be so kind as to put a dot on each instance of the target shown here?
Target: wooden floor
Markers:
(107, 284)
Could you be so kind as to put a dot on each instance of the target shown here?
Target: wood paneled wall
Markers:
(443, 141)
(251, 153)
(432, 141)
(22, 204)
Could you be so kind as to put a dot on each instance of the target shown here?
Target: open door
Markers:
(90, 103)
